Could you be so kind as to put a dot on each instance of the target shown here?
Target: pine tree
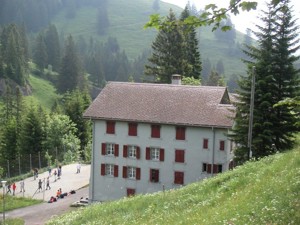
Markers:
(220, 67)
(168, 54)
(71, 73)
(40, 53)
(53, 47)
(276, 79)
(192, 54)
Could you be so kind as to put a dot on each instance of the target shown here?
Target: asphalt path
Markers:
(70, 180)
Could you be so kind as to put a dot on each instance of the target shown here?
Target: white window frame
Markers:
(132, 150)
(155, 153)
(110, 149)
(131, 172)
(109, 169)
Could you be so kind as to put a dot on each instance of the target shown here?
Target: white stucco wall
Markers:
(103, 188)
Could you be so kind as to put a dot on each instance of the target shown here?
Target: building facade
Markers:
(153, 137)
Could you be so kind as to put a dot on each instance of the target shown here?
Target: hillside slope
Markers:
(126, 22)
(260, 192)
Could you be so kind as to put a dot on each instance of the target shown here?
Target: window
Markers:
(222, 145)
(131, 151)
(132, 129)
(131, 172)
(179, 156)
(154, 175)
(180, 133)
(178, 177)
(155, 131)
(109, 170)
(205, 143)
(130, 192)
(110, 127)
(217, 168)
(110, 149)
(156, 154)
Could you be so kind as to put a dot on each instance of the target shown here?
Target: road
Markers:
(39, 214)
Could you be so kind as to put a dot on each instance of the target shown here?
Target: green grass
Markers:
(43, 92)
(12, 202)
(260, 192)
(13, 222)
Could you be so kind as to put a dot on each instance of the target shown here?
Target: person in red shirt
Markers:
(14, 187)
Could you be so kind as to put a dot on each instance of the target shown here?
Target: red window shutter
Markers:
(103, 151)
(205, 143)
(110, 127)
(102, 169)
(138, 173)
(155, 131)
(138, 152)
(130, 192)
(132, 129)
(157, 176)
(179, 156)
(124, 171)
(162, 155)
(222, 145)
(116, 150)
(116, 170)
(147, 153)
(180, 133)
(208, 168)
(215, 168)
(178, 177)
(125, 155)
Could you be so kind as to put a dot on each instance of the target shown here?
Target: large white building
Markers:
(151, 137)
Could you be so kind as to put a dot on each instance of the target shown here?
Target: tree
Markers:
(213, 15)
(168, 55)
(215, 79)
(71, 72)
(220, 67)
(40, 53)
(53, 47)
(276, 80)
(191, 81)
(75, 104)
(192, 54)
(206, 71)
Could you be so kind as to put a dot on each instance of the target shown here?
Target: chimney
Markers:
(176, 79)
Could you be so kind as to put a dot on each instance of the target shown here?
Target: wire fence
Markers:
(24, 164)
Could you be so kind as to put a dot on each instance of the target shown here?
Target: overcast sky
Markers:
(245, 19)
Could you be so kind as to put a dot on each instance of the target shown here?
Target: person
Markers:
(8, 188)
(14, 188)
(55, 173)
(78, 168)
(58, 173)
(35, 173)
(49, 170)
(48, 184)
(40, 185)
(58, 193)
(22, 186)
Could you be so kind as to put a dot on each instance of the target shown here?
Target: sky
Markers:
(245, 19)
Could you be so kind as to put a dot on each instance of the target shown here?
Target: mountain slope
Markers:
(260, 192)
(126, 22)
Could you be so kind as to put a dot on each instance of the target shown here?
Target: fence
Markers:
(24, 164)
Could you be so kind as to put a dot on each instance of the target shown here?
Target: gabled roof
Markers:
(163, 104)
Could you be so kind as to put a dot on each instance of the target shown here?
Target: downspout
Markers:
(92, 177)
(213, 151)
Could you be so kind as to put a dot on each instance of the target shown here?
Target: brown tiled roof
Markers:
(163, 104)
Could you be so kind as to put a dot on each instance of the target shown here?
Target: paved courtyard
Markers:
(70, 180)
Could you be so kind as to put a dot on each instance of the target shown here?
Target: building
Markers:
(152, 137)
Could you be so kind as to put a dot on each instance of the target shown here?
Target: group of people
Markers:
(12, 187)
(60, 194)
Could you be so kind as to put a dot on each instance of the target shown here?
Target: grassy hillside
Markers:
(43, 92)
(261, 192)
(127, 19)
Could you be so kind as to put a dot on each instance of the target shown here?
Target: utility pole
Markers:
(251, 114)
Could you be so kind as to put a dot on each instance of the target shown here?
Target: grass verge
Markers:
(260, 192)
